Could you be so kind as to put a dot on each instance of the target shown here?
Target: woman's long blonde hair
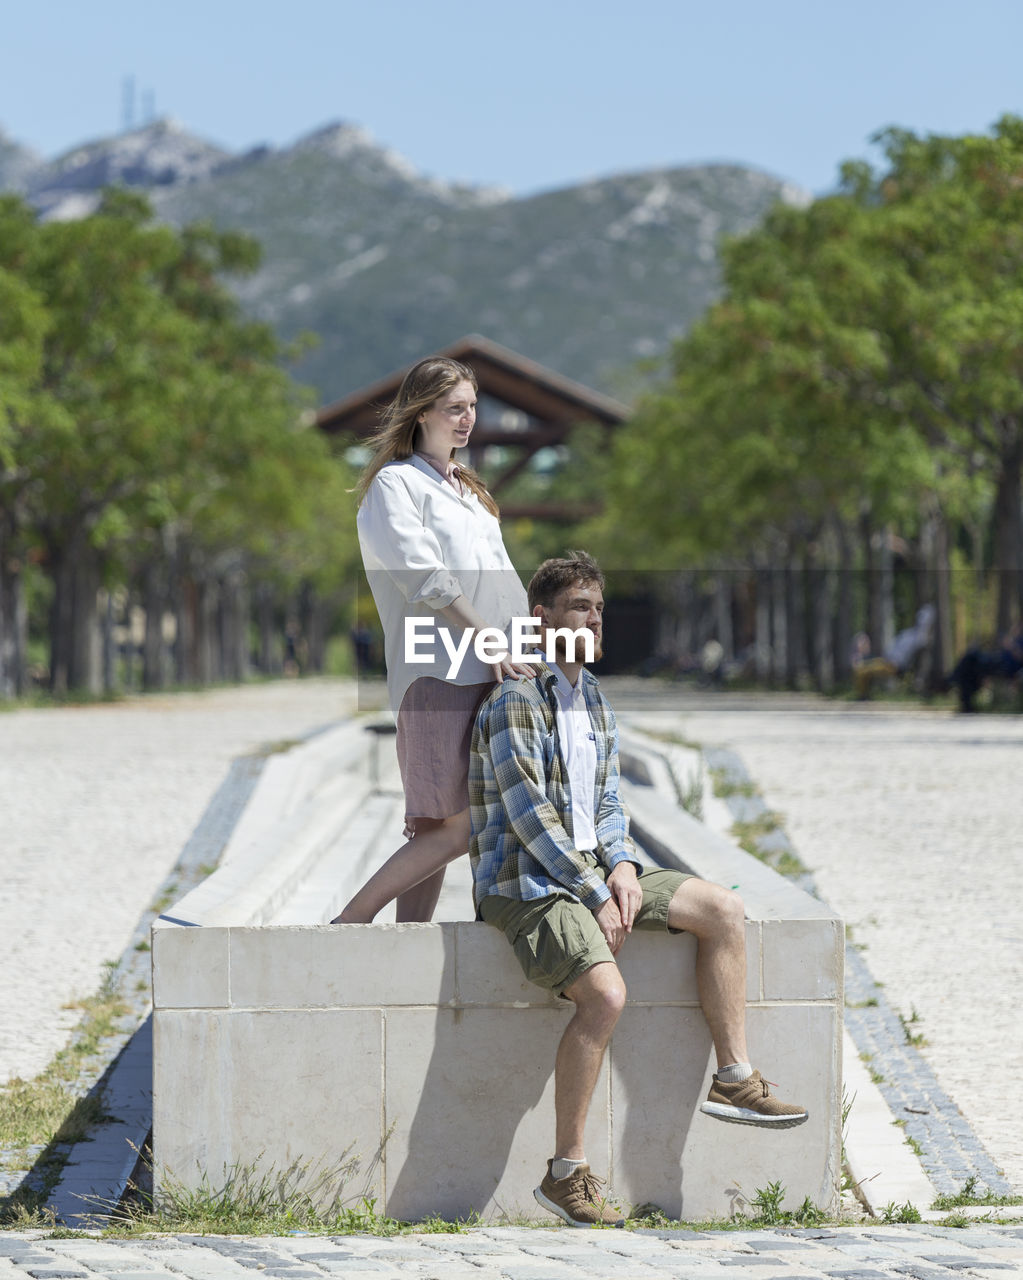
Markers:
(395, 438)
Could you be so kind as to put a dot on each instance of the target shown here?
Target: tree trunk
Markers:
(723, 583)
(13, 625)
(265, 625)
(129, 648)
(154, 674)
(944, 651)
(795, 619)
(74, 631)
(186, 608)
(886, 589)
(6, 640)
(206, 668)
(234, 619)
(973, 621)
(744, 599)
(676, 640)
(877, 557)
(820, 611)
(844, 629)
(762, 650)
(1008, 537)
(109, 643)
(314, 617)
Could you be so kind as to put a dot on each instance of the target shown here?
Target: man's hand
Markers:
(626, 892)
(609, 918)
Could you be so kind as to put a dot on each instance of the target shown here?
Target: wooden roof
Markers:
(503, 374)
(553, 405)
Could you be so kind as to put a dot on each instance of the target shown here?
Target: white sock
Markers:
(735, 1073)
(564, 1168)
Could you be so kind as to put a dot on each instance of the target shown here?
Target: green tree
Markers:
(155, 436)
(949, 217)
(863, 366)
(23, 327)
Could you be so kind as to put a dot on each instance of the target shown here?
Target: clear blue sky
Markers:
(525, 94)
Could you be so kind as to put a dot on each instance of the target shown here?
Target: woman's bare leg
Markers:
(437, 842)
(421, 902)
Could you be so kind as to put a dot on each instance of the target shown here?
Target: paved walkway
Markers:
(909, 820)
(522, 1253)
(98, 802)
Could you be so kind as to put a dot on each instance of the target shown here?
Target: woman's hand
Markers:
(461, 614)
(505, 669)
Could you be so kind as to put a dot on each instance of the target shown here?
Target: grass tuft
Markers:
(765, 1211)
(725, 785)
(906, 1212)
(968, 1197)
(751, 832)
(690, 796)
(258, 1200)
(49, 1111)
(915, 1038)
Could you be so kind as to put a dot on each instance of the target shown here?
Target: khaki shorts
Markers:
(557, 939)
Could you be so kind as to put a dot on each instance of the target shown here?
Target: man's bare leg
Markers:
(569, 1189)
(717, 919)
(599, 998)
(437, 842)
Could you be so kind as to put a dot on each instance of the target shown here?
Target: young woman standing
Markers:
(432, 549)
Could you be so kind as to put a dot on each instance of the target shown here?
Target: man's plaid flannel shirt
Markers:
(520, 803)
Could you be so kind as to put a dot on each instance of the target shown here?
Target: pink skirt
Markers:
(435, 722)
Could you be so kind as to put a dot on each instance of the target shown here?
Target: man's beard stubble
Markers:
(561, 649)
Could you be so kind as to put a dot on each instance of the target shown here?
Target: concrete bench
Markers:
(422, 1051)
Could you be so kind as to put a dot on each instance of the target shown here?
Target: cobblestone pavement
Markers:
(522, 1253)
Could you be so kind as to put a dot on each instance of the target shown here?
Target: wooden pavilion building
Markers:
(523, 408)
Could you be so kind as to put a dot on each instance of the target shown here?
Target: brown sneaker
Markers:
(579, 1199)
(751, 1102)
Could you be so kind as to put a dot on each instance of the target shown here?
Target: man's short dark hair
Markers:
(553, 576)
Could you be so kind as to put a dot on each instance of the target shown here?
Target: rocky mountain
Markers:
(384, 264)
(161, 154)
(17, 165)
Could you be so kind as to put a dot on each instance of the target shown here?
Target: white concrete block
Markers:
(471, 1098)
(487, 971)
(803, 959)
(282, 1044)
(190, 968)
(341, 966)
(260, 1092)
(660, 1058)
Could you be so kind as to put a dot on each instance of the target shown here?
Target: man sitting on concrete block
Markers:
(553, 868)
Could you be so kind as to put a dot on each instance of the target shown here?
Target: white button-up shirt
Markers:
(579, 753)
(423, 544)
